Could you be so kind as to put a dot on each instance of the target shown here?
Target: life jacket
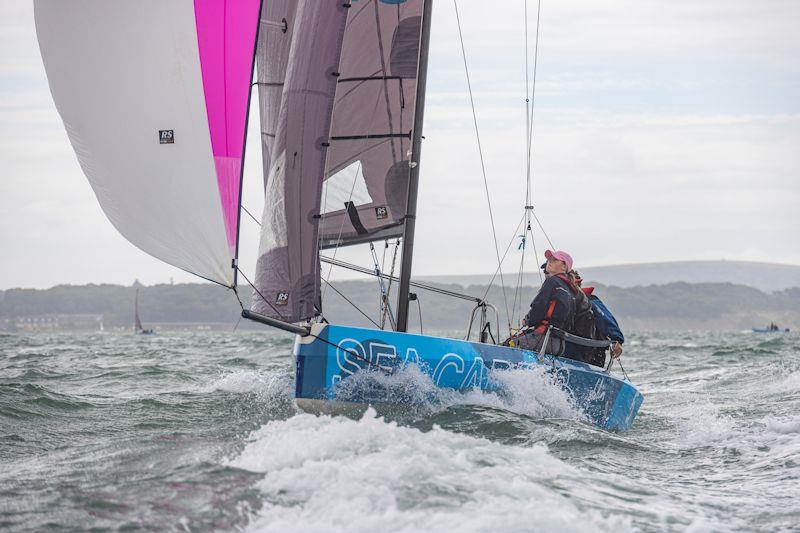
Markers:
(583, 324)
(541, 327)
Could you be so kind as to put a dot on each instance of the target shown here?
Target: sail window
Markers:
(347, 185)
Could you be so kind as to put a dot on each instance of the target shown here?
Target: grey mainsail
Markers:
(367, 172)
(287, 270)
(338, 141)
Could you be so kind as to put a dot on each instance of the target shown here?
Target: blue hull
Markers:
(607, 401)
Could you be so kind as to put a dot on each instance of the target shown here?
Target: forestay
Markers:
(154, 95)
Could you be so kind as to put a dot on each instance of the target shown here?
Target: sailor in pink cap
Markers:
(558, 262)
(554, 305)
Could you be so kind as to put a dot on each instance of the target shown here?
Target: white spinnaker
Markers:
(120, 73)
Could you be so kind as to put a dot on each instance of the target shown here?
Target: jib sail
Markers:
(287, 271)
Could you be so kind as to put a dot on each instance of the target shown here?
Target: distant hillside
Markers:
(656, 307)
(766, 277)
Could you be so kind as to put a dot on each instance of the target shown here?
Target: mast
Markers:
(137, 323)
(413, 179)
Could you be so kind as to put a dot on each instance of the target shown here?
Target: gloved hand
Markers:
(616, 350)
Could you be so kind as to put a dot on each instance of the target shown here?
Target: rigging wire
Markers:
(513, 237)
(259, 294)
(532, 98)
(417, 284)
(528, 204)
(483, 166)
(251, 215)
(419, 308)
(530, 107)
(391, 278)
(326, 341)
(341, 226)
(328, 283)
(552, 246)
(385, 307)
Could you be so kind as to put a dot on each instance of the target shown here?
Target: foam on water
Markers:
(783, 427)
(244, 381)
(337, 474)
(700, 423)
(533, 392)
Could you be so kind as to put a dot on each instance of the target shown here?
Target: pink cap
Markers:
(561, 256)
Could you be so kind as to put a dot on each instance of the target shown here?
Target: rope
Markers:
(514, 236)
(417, 284)
(353, 353)
(530, 106)
(529, 119)
(552, 246)
(391, 277)
(328, 283)
(385, 307)
(259, 294)
(341, 226)
(483, 166)
(326, 341)
(419, 308)
(251, 215)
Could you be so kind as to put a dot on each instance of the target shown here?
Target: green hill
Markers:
(677, 305)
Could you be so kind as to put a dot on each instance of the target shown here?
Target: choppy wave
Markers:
(200, 432)
(337, 474)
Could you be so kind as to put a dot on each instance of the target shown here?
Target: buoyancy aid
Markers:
(582, 323)
(541, 327)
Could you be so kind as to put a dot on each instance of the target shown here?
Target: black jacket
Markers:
(553, 288)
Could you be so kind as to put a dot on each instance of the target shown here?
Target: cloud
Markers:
(662, 131)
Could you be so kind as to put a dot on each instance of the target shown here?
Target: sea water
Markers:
(199, 431)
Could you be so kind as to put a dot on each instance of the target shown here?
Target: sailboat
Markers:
(154, 97)
(137, 323)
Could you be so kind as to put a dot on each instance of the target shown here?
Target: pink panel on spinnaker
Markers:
(226, 34)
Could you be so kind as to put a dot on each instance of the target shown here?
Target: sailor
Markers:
(606, 326)
(554, 305)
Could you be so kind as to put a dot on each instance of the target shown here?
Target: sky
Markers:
(662, 131)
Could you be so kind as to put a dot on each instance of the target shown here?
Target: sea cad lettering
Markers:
(450, 368)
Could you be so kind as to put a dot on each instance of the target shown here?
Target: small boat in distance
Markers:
(772, 328)
(137, 323)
